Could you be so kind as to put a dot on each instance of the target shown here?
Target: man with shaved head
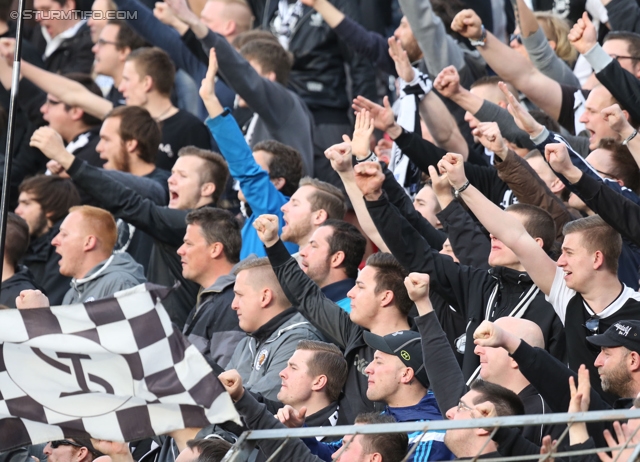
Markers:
(273, 325)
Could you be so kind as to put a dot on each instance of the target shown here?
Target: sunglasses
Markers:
(592, 325)
(56, 444)
(517, 37)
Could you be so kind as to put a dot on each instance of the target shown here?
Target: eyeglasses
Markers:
(58, 443)
(592, 325)
(517, 37)
(463, 407)
(101, 42)
(606, 175)
(617, 58)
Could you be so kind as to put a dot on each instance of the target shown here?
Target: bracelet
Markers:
(370, 158)
(482, 40)
(459, 191)
(630, 137)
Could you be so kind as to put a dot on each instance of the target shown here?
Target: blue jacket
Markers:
(430, 446)
(261, 195)
(337, 293)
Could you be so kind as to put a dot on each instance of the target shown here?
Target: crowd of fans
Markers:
(439, 224)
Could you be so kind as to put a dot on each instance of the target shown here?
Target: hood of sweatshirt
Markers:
(120, 262)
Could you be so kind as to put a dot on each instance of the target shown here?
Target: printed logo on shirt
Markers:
(360, 364)
(166, 148)
(315, 86)
(316, 20)
(261, 358)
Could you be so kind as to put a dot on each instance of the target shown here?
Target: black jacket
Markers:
(318, 75)
(551, 378)
(11, 288)
(620, 213)
(212, 326)
(485, 178)
(469, 243)
(449, 386)
(42, 260)
(465, 288)
(166, 226)
(73, 55)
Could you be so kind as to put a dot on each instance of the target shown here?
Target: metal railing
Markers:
(241, 451)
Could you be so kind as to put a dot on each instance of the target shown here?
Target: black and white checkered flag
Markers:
(114, 369)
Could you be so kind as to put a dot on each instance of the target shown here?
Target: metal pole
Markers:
(8, 152)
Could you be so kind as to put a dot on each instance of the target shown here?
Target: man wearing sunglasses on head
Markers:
(71, 450)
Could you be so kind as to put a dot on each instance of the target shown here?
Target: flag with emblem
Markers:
(113, 369)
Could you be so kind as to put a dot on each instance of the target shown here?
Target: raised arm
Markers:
(470, 244)
(439, 48)
(433, 111)
(623, 85)
(66, 90)
(543, 91)
(623, 14)
(159, 222)
(367, 43)
(301, 291)
(340, 156)
(450, 280)
(445, 377)
(521, 178)
(260, 193)
(622, 214)
(619, 123)
(503, 225)
(542, 56)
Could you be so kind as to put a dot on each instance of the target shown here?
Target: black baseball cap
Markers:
(622, 333)
(406, 345)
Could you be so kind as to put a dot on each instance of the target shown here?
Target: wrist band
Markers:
(630, 137)
(370, 158)
(482, 40)
(457, 192)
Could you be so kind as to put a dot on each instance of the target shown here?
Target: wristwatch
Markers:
(457, 192)
(482, 40)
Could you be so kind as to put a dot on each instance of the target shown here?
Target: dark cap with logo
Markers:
(622, 333)
(406, 345)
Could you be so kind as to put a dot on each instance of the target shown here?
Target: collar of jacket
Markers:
(322, 418)
(509, 276)
(425, 409)
(265, 331)
(527, 391)
(40, 248)
(221, 283)
(224, 281)
(623, 403)
(338, 290)
(95, 271)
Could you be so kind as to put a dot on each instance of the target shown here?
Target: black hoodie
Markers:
(11, 288)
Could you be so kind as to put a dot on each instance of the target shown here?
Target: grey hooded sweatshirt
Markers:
(118, 272)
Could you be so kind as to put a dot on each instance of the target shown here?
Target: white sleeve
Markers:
(560, 295)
